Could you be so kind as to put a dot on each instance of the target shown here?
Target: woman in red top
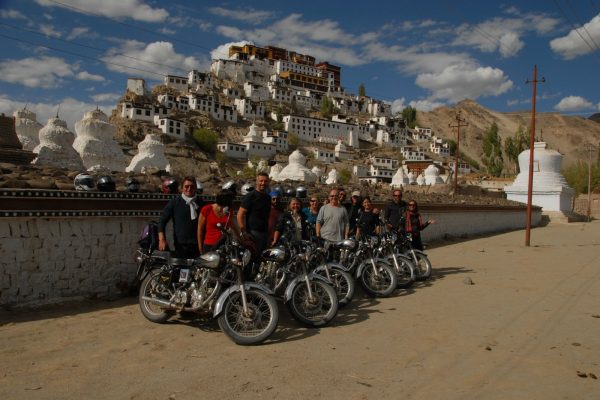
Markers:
(414, 224)
(210, 215)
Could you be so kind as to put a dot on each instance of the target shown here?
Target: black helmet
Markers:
(170, 186)
(231, 186)
(84, 181)
(301, 192)
(105, 184)
(289, 192)
(133, 185)
(246, 188)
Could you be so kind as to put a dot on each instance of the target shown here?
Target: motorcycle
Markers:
(335, 272)
(285, 270)
(402, 263)
(211, 284)
(422, 265)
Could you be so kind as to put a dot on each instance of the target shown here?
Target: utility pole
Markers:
(531, 144)
(589, 193)
(459, 122)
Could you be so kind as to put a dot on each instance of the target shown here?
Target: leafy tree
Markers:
(410, 116)
(451, 146)
(577, 175)
(293, 140)
(345, 176)
(327, 108)
(492, 151)
(206, 139)
(513, 146)
(361, 90)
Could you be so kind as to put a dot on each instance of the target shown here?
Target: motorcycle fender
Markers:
(147, 269)
(236, 288)
(300, 279)
(367, 263)
(420, 252)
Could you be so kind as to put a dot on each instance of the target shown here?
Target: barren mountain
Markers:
(566, 134)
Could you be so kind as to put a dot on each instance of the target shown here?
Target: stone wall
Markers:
(46, 260)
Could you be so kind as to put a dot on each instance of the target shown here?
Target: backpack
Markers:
(149, 237)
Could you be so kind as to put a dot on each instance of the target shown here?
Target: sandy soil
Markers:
(526, 329)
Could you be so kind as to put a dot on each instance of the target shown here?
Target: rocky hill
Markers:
(566, 134)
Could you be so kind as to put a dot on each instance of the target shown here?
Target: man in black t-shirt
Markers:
(395, 211)
(253, 215)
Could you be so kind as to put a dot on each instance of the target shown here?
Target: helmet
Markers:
(106, 184)
(301, 192)
(133, 185)
(289, 192)
(277, 189)
(169, 186)
(246, 188)
(231, 186)
(84, 181)
(199, 187)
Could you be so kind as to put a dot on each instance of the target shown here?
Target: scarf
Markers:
(191, 201)
(409, 227)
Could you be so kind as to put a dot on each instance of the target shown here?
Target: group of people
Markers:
(262, 221)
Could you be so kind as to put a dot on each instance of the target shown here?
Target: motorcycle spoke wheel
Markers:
(343, 283)
(152, 286)
(381, 284)
(405, 271)
(253, 326)
(423, 267)
(319, 310)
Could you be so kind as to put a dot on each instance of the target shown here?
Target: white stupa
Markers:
(432, 176)
(411, 178)
(28, 129)
(262, 166)
(274, 171)
(151, 155)
(550, 189)
(296, 170)
(96, 145)
(333, 177)
(341, 152)
(399, 179)
(56, 146)
(421, 180)
(318, 172)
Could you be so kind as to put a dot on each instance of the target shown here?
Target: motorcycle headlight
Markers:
(246, 257)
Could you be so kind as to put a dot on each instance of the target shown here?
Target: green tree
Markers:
(492, 151)
(345, 176)
(361, 90)
(206, 139)
(327, 108)
(451, 146)
(576, 176)
(410, 116)
(513, 146)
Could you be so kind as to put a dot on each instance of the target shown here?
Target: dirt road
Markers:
(524, 330)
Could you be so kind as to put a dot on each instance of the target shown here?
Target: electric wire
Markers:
(574, 26)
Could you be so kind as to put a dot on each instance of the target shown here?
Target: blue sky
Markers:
(79, 53)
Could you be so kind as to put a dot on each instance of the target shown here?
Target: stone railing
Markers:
(57, 246)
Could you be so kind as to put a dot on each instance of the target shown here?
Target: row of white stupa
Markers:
(92, 149)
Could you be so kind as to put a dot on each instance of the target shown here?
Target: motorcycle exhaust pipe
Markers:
(159, 302)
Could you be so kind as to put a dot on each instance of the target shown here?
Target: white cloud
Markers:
(250, 15)
(50, 31)
(510, 45)
(86, 76)
(13, 14)
(167, 31)
(106, 97)
(458, 82)
(134, 9)
(425, 105)
(43, 72)
(71, 110)
(80, 32)
(398, 105)
(161, 53)
(574, 103)
(572, 45)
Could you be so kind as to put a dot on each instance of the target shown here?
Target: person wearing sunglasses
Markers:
(414, 224)
(332, 220)
(395, 211)
(312, 210)
(183, 210)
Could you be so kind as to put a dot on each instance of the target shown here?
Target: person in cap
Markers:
(354, 210)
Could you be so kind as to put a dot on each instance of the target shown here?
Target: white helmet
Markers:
(247, 188)
(85, 181)
(199, 187)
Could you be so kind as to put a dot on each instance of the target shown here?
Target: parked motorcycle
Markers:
(285, 270)
(210, 284)
(402, 263)
(418, 257)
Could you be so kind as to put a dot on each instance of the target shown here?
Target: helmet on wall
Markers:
(277, 189)
(231, 186)
(301, 192)
(170, 186)
(106, 184)
(289, 192)
(133, 185)
(84, 181)
(246, 188)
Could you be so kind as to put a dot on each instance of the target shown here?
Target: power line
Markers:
(93, 48)
(582, 25)
(574, 26)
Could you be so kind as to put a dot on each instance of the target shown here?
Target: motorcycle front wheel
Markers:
(423, 267)
(405, 270)
(155, 286)
(343, 283)
(319, 310)
(380, 284)
(254, 326)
